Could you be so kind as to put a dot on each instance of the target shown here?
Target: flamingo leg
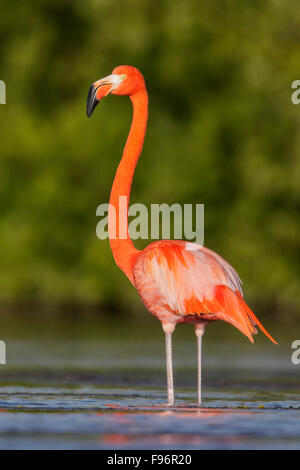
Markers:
(199, 328)
(169, 363)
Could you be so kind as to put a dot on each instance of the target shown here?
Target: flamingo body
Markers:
(182, 282)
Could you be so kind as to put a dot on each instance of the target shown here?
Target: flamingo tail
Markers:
(233, 309)
(258, 323)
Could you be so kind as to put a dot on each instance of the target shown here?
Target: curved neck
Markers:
(121, 244)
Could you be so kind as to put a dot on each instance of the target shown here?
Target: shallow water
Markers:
(106, 390)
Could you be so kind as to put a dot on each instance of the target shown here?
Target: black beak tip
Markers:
(92, 101)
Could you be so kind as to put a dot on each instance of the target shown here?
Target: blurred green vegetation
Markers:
(222, 131)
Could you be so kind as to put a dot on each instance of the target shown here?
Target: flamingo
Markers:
(177, 281)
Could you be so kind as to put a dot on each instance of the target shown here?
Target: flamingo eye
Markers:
(123, 76)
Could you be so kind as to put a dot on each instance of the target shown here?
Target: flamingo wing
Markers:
(192, 282)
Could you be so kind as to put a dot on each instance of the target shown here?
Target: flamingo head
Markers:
(124, 80)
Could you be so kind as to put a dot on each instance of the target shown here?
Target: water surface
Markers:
(104, 388)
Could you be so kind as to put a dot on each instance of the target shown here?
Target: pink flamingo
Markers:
(177, 281)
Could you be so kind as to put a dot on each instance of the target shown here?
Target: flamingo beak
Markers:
(99, 90)
(92, 101)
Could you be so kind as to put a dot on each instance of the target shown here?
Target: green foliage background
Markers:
(222, 131)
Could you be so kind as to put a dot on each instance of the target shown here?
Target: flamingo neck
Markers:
(124, 252)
